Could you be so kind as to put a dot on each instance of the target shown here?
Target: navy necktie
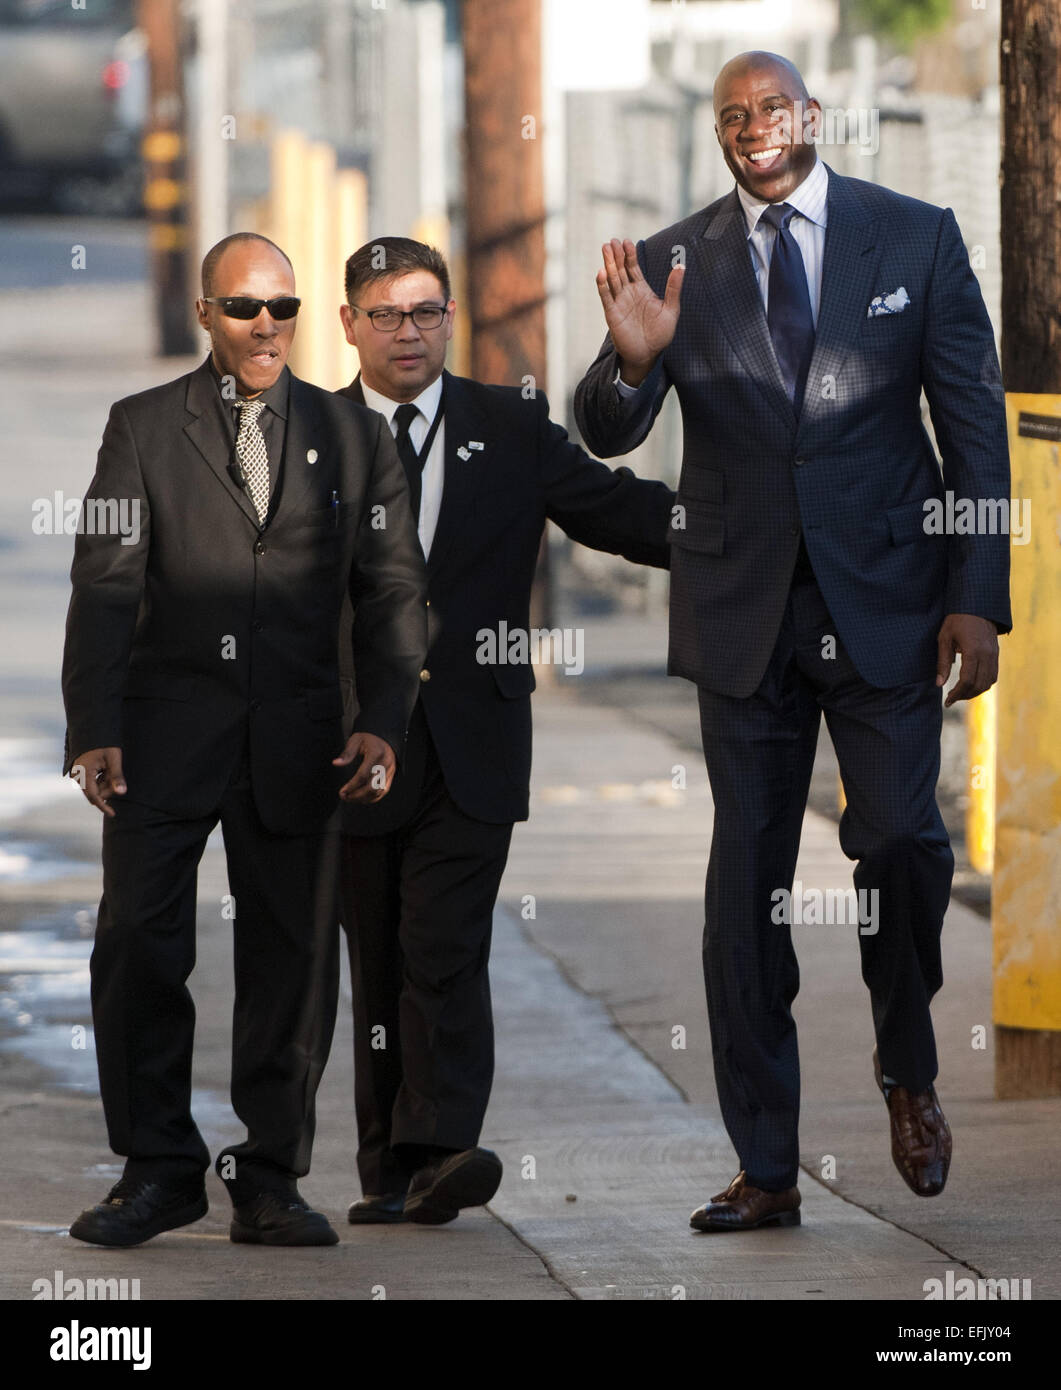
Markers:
(404, 417)
(788, 312)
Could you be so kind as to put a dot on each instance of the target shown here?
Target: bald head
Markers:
(760, 61)
(249, 240)
(764, 123)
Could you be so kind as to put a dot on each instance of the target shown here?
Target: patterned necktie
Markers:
(788, 311)
(411, 461)
(253, 457)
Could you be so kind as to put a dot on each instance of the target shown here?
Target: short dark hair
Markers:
(388, 256)
(213, 256)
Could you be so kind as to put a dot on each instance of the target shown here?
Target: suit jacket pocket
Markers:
(158, 685)
(703, 532)
(907, 523)
(325, 703)
(515, 680)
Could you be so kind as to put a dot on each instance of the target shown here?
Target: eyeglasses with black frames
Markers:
(388, 320)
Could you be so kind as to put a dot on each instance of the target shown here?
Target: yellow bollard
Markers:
(981, 717)
(351, 219)
(1026, 897)
(285, 225)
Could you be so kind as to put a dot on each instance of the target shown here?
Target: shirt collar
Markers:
(275, 397)
(426, 402)
(809, 198)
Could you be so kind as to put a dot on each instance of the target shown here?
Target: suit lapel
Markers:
(463, 423)
(305, 451)
(733, 299)
(207, 431)
(852, 252)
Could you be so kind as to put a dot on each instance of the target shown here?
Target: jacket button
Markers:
(794, 530)
(800, 463)
(259, 547)
(425, 674)
(259, 627)
(256, 704)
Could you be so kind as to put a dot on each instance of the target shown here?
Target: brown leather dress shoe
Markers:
(921, 1142)
(743, 1207)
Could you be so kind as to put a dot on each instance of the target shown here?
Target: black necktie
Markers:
(788, 312)
(411, 461)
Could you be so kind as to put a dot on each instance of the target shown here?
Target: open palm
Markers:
(640, 323)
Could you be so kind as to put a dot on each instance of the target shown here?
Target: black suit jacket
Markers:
(495, 502)
(204, 633)
(853, 471)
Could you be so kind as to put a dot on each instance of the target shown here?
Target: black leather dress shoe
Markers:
(466, 1179)
(377, 1210)
(135, 1210)
(279, 1218)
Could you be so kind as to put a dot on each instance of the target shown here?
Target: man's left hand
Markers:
(977, 640)
(375, 771)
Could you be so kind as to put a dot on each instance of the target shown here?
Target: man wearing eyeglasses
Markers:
(421, 871)
(202, 686)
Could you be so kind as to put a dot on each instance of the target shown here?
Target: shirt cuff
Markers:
(625, 391)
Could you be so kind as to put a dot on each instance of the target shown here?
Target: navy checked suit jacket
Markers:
(852, 471)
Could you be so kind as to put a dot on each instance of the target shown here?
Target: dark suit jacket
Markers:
(494, 507)
(204, 633)
(853, 471)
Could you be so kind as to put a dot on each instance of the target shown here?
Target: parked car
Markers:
(73, 99)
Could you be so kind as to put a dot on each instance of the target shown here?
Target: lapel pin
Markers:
(462, 453)
(474, 444)
(311, 456)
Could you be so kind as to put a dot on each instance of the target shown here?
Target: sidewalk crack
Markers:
(888, 1221)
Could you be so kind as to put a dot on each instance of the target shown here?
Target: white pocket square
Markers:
(893, 303)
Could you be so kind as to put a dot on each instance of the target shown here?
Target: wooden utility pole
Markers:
(1031, 196)
(165, 186)
(505, 190)
(505, 202)
(1027, 881)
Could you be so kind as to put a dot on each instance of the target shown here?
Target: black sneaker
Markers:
(134, 1210)
(279, 1218)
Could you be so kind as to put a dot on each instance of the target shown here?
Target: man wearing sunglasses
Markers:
(421, 871)
(202, 686)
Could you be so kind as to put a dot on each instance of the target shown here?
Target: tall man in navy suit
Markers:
(813, 311)
(486, 467)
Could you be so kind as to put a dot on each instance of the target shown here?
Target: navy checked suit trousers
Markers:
(760, 752)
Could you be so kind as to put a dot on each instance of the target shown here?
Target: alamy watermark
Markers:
(829, 907)
(979, 516)
(516, 646)
(60, 515)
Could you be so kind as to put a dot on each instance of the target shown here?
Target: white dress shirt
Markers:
(433, 472)
(808, 232)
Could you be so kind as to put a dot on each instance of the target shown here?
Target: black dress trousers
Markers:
(417, 905)
(286, 982)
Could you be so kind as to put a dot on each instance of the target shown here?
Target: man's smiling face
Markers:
(253, 351)
(759, 105)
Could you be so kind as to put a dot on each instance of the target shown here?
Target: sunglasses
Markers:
(284, 306)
